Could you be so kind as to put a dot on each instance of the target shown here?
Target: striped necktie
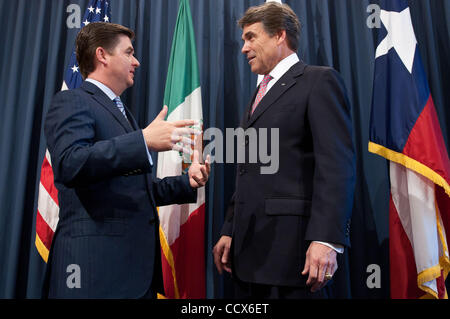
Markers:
(120, 106)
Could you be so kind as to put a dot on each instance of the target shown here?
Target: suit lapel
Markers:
(131, 119)
(108, 104)
(248, 110)
(279, 88)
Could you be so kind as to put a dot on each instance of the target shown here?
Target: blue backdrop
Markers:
(36, 44)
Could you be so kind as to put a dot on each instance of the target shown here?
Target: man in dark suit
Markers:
(281, 238)
(106, 244)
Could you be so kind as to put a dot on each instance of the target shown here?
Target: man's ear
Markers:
(281, 36)
(101, 56)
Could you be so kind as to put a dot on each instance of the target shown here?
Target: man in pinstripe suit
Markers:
(108, 225)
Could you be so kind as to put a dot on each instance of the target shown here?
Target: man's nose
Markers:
(245, 48)
(136, 62)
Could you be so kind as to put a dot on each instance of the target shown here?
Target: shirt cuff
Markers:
(148, 152)
(338, 248)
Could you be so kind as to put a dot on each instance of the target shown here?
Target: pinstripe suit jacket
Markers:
(108, 223)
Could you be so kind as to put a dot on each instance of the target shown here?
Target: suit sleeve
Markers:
(173, 190)
(334, 173)
(227, 227)
(77, 158)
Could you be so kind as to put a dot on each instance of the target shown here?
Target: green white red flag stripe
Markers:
(182, 226)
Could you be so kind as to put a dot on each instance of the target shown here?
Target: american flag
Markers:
(48, 210)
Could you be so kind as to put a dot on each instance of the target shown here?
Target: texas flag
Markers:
(405, 130)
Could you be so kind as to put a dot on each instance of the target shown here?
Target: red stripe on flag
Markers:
(44, 232)
(440, 283)
(433, 154)
(426, 144)
(402, 263)
(47, 180)
(189, 254)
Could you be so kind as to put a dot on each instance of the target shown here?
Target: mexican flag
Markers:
(182, 226)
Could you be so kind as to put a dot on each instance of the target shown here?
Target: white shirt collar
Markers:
(283, 66)
(103, 87)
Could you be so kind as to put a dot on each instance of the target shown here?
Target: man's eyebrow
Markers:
(248, 35)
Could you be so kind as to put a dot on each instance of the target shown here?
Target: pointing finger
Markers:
(179, 148)
(183, 123)
(186, 131)
(186, 141)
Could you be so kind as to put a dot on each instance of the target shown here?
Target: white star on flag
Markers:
(106, 19)
(400, 36)
(74, 69)
(91, 9)
(86, 22)
(98, 11)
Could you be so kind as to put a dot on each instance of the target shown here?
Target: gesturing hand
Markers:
(161, 135)
(199, 173)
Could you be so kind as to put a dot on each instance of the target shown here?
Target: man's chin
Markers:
(255, 69)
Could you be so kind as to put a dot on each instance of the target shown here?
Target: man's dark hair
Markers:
(275, 17)
(94, 35)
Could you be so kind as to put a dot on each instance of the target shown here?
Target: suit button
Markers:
(242, 171)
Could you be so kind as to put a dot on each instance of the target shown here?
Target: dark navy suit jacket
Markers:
(108, 223)
(272, 218)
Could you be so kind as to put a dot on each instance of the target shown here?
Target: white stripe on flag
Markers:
(169, 163)
(172, 217)
(49, 158)
(188, 109)
(414, 198)
(48, 208)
